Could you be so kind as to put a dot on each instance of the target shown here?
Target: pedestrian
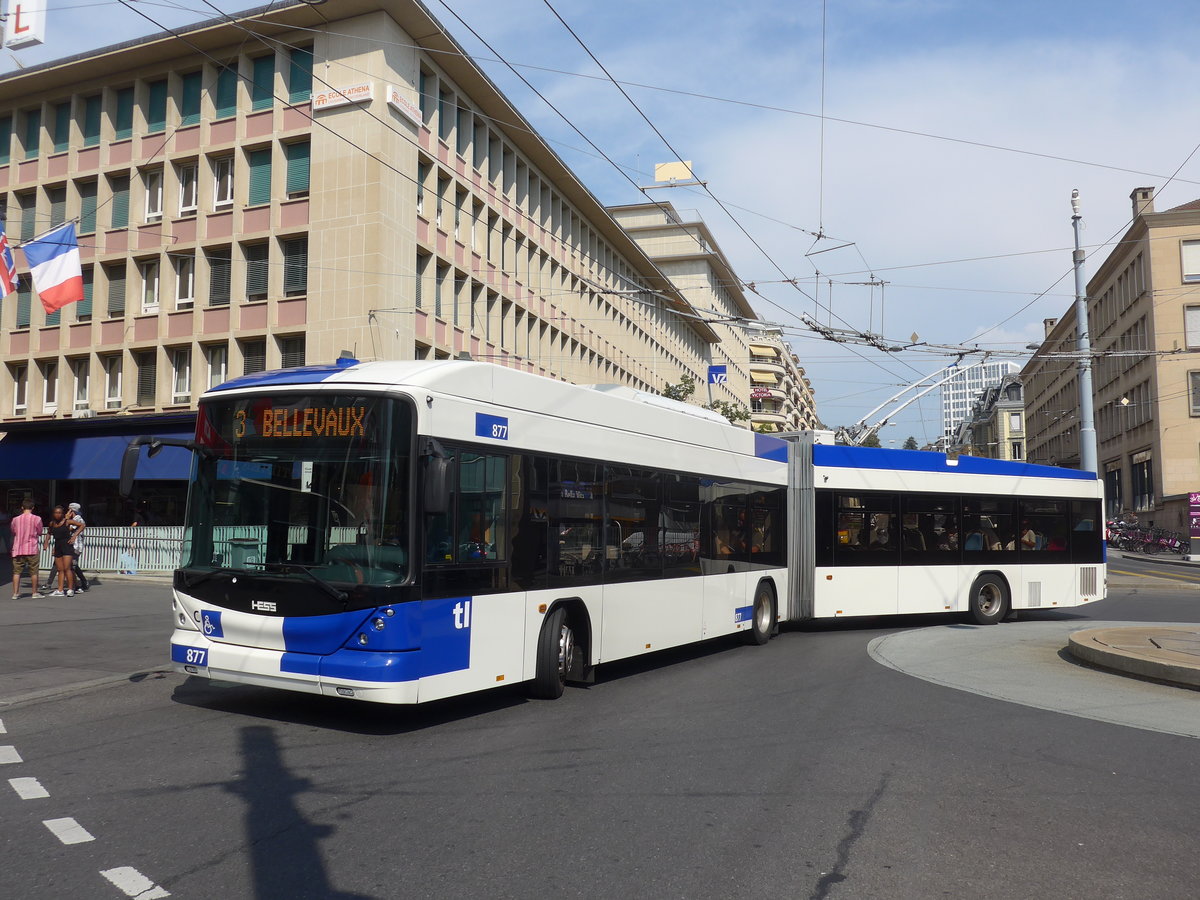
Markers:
(25, 530)
(75, 514)
(59, 532)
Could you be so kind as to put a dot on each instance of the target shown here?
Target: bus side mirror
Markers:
(129, 464)
(437, 478)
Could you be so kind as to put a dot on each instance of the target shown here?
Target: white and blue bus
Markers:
(408, 531)
(402, 532)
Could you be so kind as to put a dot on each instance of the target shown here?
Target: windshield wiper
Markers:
(192, 581)
(339, 596)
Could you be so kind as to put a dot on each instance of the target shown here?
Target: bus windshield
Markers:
(312, 486)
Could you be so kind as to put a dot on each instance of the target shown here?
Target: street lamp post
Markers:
(1083, 346)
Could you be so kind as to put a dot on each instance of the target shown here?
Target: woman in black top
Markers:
(60, 530)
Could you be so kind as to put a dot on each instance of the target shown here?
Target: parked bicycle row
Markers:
(1135, 539)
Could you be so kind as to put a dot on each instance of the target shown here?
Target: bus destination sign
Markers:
(304, 422)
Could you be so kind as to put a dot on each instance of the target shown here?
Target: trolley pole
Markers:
(1083, 347)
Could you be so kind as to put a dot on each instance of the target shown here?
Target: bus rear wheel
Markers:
(987, 603)
(555, 652)
(762, 615)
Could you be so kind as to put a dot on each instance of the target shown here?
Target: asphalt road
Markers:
(801, 769)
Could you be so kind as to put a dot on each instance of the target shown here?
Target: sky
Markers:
(954, 132)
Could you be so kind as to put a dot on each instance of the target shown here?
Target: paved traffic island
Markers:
(1161, 652)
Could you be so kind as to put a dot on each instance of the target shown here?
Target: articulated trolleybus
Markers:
(407, 531)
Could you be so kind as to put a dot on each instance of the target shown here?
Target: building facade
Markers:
(291, 185)
(996, 427)
(964, 387)
(1144, 324)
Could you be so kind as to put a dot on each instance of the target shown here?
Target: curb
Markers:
(1099, 647)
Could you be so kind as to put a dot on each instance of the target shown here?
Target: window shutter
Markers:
(254, 357)
(24, 303)
(156, 115)
(28, 216)
(257, 271)
(295, 266)
(262, 91)
(300, 75)
(116, 290)
(260, 177)
(124, 120)
(189, 101)
(62, 127)
(6, 133)
(1194, 385)
(227, 85)
(83, 309)
(1190, 253)
(58, 205)
(91, 120)
(33, 133)
(292, 351)
(219, 277)
(298, 167)
(147, 377)
(120, 201)
(87, 207)
(1191, 325)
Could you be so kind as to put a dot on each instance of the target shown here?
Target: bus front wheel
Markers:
(555, 652)
(988, 601)
(762, 615)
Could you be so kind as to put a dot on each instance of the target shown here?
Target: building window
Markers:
(1112, 490)
(119, 217)
(222, 181)
(295, 267)
(181, 375)
(257, 270)
(33, 133)
(27, 203)
(1014, 421)
(148, 270)
(1194, 392)
(79, 374)
(83, 309)
(116, 290)
(216, 355)
(20, 377)
(6, 133)
(185, 280)
(189, 99)
(153, 180)
(156, 108)
(298, 168)
(62, 126)
(291, 351)
(187, 188)
(24, 303)
(254, 356)
(123, 118)
(300, 75)
(262, 88)
(1191, 325)
(422, 174)
(1189, 253)
(147, 376)
(220, 265)
(225, 104)
(58, 205)
(49, 386)
(260, 177)
(87, 207)
(1142, 480)
(112, 381)
(1018, 451)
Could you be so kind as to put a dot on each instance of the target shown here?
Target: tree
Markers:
(871, 440)
(910, 443)
(734, 412)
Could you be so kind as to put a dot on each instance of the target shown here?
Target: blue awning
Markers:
(25, 456)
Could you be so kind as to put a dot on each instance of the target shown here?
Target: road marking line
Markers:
(1190, 579)
(3, 730)
(135, 884)
(9, 754)
(28, 788)
(68, 831)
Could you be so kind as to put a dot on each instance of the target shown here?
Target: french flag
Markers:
(8, 266)
(54, 265)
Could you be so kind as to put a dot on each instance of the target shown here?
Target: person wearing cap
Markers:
(75, 514)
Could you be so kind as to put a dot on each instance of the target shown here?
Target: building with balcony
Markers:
(1144, 323)
(761, 370)
(283, 186)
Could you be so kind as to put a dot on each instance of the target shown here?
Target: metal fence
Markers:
(147, 548)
